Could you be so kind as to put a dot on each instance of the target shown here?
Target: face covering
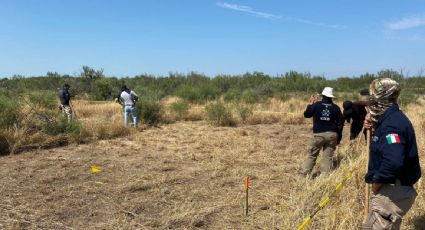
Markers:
(383, 94)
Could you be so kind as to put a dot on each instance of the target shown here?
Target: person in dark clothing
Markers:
(394, 162)
(354, 113)
(65, 100)
(64, 95)
(328, 124)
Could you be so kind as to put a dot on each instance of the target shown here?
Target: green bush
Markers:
(103, 90)
(219, 114)
(244, 112)
(43, 99)
(62, 126)
(43, 109)
(266, 90)
(150, 112)
(251, 96)
(9, 112)
(189, 93)
(407, 97)
(233, 95)
(209, 92)
(180, 108)
(149, 93)
(198, 94)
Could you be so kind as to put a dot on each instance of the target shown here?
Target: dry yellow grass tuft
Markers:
(272, 111)
(101, 120)
(286, 112)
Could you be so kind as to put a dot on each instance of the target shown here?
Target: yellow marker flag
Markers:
(95, 169)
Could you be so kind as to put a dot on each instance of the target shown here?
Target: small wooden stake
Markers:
(367, 187)
(246, 201)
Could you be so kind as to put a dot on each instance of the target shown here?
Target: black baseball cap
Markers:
(364, 92)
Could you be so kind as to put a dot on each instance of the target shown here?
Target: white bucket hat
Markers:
(328, 92)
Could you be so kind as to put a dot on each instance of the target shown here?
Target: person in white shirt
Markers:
(128, 99)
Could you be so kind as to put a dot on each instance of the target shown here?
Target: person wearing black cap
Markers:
(65, 100)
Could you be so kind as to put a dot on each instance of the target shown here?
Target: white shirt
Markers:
(128, 98)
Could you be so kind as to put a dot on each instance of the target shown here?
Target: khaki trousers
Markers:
(388, 206)
(67, 112)
(327, 141)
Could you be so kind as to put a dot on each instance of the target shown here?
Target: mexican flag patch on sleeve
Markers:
(393, 138)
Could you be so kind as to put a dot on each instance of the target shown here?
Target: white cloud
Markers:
(250, 11)
(407, 23)
(409, 38)
(247, 9)
(309, 22)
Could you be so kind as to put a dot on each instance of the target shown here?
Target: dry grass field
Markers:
(189, 175)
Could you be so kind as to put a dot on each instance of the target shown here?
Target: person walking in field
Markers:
(128, 99)
(355, 113)
(394, 163)
(327, 131)
(65, 100)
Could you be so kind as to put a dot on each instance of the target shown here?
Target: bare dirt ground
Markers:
(183, 175)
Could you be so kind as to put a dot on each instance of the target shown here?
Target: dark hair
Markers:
(123, 88)
(364, 92)
(347, 104)
(66, 85)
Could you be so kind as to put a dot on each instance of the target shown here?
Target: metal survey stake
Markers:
(246, 201)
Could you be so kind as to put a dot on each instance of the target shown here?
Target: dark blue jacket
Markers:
(327, 117)
(64, 97)
(393, 150)
(356, 113)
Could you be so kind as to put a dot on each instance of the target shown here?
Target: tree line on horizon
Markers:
(193, 87)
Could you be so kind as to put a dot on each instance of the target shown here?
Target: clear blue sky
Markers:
(125, 38)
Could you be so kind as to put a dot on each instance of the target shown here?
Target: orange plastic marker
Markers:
(246, 188)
